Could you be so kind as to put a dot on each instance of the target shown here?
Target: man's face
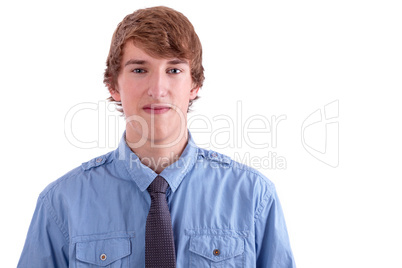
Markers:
(155, 93)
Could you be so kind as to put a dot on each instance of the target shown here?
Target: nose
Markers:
(157, 85)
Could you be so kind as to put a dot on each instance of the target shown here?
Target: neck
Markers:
(156, 154)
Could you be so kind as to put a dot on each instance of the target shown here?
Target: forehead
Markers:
(133, 51)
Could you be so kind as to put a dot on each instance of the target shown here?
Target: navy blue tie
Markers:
(159, 242)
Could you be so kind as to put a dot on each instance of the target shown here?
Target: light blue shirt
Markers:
(224, 214)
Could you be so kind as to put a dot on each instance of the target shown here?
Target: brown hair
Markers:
(160, 32)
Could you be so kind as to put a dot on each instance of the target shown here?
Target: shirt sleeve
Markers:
(46, 244)
(271, 236)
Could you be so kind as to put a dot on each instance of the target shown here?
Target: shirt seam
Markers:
(268, 194)
(72, 174)
(189, 167)
(264, 202)
(233, 164)
(246, 168)
(221, 161)
(227, 232)
(54, 217)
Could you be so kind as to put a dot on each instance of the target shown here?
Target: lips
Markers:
(156, 108)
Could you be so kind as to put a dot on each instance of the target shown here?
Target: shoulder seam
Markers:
(244, 167)
(72, 174)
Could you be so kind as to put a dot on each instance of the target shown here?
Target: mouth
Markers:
(156, 108)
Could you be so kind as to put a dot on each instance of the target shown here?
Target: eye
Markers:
(174, 71)
(138, 71)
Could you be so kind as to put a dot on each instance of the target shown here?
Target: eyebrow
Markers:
(142, 62)
(178, 61)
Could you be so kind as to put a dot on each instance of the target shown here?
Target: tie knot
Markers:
(159, 185)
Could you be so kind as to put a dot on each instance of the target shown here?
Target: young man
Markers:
(157, 200)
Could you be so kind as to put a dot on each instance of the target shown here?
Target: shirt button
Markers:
(99, 160)
(214, 155)
(217, 252)
(103, 257)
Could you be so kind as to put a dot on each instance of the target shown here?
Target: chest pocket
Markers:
(216, 251)
(111, 253)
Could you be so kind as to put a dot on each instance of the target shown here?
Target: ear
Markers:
(194, 92)
(114, 92)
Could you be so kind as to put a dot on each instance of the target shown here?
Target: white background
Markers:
(278, 58)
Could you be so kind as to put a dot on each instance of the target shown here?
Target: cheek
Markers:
(185, 87)
(130, 91)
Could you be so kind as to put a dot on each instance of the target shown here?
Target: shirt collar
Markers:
(143, 175)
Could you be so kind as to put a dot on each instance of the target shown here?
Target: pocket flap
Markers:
(217, 248)
(103, 252)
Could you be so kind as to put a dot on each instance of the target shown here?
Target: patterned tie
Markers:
(159, 243)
